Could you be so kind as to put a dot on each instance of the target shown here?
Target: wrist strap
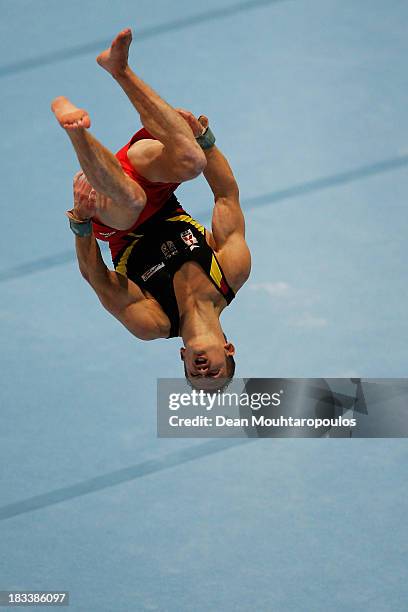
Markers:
(80, 227)
(207, 139)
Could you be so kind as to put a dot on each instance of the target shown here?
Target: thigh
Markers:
(158, 163)
(114, 214)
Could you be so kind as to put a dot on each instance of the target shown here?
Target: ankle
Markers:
(121, 74)
(76, 134)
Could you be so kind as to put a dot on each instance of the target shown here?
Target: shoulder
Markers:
(143, 317)
(143, 320)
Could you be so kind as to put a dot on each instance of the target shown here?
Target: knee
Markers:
(192, 163)
(136, 198)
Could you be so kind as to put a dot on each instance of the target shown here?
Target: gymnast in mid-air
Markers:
(172, 276)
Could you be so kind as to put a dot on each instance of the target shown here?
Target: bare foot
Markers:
(69, 116)
(115, 59)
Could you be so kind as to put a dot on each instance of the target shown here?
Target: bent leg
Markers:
(120, 199)
(179, 157)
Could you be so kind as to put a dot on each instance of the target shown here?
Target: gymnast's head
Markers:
(209, 362)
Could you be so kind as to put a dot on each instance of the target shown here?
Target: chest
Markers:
(191, 280)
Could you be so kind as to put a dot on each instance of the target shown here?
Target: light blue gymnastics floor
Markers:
(308, 101)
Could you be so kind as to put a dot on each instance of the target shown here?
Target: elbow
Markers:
(84, 272)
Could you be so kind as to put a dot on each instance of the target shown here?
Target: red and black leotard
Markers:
(157, 196)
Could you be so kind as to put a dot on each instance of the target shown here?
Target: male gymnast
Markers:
(172, 276)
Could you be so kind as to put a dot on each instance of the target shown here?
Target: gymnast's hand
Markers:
(198, 126)
(84, 197)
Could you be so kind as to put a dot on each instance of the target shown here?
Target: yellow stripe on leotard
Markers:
(189, 220)
(121, 268)
(215, 272)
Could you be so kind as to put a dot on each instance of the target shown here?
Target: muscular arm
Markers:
(106, 284)
(227, 217)
(122, 298)
(219, 175)
(228, 223)
(90, 262)
(228, 220)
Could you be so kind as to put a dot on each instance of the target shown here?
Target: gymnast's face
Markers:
(207, 359)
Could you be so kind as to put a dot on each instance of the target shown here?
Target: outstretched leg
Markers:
(178, 157)
(124, 198)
